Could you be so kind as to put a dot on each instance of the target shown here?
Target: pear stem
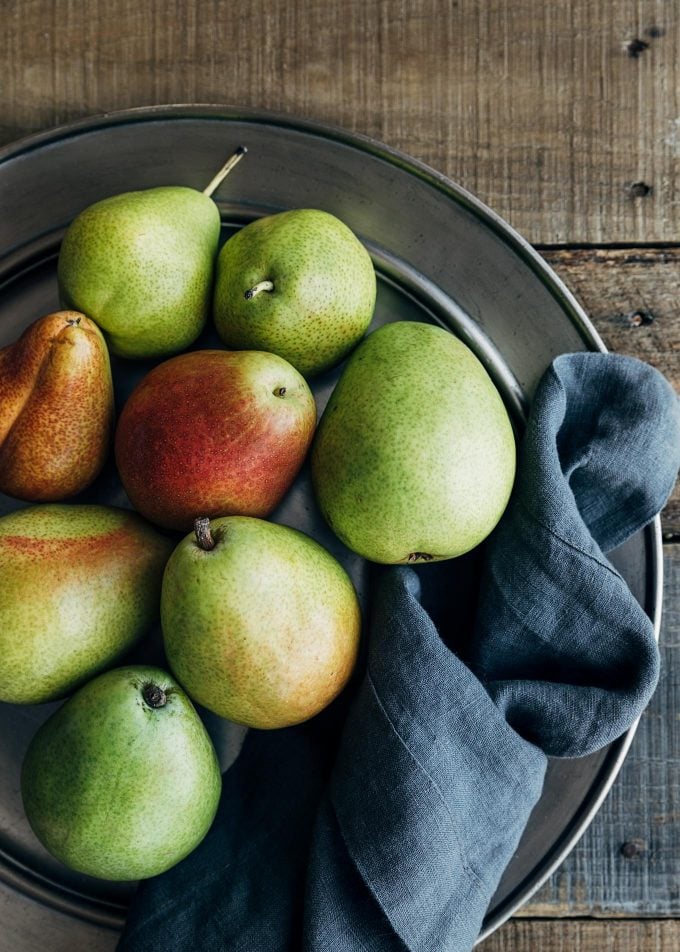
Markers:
(260, 286)
(225, 170)
(154, 696)
(204, 536)
(73, 322)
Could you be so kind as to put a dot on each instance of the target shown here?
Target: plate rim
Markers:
(422, 170)
(23, 879)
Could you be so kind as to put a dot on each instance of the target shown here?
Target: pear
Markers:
(261, 624)
(122, 782)
(414, 457)
(80, 585)
(56, 408)
(141, 265)
(215, 433)
(299, 284)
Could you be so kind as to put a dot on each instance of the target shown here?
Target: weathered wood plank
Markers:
(628, 862)
(545, 110)
(633, 298)
(541, 936)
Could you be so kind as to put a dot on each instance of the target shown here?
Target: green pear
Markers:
(299, 284)
(141, 264)
(122, 782)
(80, 585)
(261, 624)
(414, 457)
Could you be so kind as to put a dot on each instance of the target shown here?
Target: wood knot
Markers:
(655, 32)
(636, 48)
(638, 318)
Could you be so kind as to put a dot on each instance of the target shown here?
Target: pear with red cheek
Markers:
(80, 586)
(56, 408)
(260, 623)
(214, 433)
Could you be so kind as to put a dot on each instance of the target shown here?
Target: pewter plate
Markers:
(440, 255)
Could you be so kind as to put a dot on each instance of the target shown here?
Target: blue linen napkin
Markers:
(385, 823)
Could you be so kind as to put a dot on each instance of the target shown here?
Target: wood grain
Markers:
(528, 936)
(538, 107)
(633, 298)
(641, 816)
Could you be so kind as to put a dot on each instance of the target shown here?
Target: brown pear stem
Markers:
(73, 322)
(154, 696)
(225, 170)
(260, 286)
(204, 536)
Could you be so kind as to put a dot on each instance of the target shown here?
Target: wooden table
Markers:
(564, 116)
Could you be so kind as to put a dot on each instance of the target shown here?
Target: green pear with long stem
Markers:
(140, 264)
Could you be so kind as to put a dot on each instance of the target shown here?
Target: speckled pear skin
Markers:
(414, 457)
(324, 289)
(212, 433)
(56, 408)
(119, 789)
(264, 628)
(80, 585)
(141, 264)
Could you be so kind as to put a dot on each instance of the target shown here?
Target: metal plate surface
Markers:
(440, 255)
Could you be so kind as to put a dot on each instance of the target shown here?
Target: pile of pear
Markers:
(413, 461)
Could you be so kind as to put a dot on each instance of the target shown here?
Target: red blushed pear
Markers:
(80, 586)
(213, 433)
(260, 623)
(56, 408)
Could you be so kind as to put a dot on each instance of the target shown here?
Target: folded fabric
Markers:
(385, 824)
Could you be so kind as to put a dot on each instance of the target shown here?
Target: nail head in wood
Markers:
(639, 190)
(632, 848)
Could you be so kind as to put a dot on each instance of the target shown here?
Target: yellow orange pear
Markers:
(56, 408)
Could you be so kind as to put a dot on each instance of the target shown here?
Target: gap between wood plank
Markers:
(654, 917)
(608, 246)
(650, 935)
